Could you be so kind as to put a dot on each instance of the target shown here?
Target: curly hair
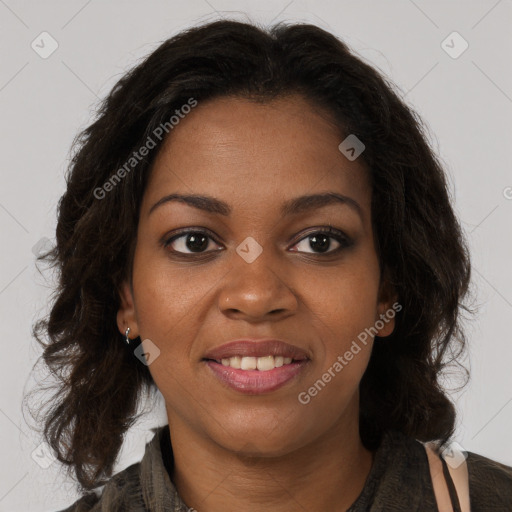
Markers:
(421, 247)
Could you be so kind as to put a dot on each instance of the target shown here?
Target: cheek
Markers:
(168, 296)
(171, 304)
(345, 307)
(346, 300)
(342, 320)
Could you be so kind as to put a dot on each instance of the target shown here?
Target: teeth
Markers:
(252, 363)
(234, 362)
(248, 363)
(265, 363)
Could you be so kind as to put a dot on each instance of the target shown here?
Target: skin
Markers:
(234, 451)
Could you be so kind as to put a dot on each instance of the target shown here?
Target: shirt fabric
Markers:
(399, 481)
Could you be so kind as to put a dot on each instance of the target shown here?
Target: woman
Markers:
(256, 226)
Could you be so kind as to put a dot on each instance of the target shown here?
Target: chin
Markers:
(257, 439)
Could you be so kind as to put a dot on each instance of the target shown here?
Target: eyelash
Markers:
(339, 236)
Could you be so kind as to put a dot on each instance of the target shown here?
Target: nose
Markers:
(257, 291)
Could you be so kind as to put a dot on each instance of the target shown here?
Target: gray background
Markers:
(466, 102)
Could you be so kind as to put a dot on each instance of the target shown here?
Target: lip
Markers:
(256, 382)
(256, 348)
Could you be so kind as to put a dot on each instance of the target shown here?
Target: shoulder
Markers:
(490, 484)
(128, 490)
(122, 493)
(401, 462)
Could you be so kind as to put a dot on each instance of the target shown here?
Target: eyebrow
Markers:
(291, 207)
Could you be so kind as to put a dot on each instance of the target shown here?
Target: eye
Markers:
(198, 241)
(194, 240)
(320, 241)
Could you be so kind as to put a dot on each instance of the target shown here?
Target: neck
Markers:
(327, 474)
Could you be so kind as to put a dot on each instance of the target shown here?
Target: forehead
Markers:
(247, 152)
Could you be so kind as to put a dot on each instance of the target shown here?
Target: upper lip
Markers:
(256, 348)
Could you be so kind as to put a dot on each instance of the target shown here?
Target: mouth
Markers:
(256, 367)
(254, 381)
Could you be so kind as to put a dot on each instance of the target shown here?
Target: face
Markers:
(202, 278)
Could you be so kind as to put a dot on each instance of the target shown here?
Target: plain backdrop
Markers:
(463, 94)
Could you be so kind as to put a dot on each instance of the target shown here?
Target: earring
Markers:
(126, 336)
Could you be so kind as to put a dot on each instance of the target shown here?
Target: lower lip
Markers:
(255, 382)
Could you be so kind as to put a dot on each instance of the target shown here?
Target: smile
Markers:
(256, 375)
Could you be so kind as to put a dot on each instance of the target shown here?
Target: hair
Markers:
(421, 248)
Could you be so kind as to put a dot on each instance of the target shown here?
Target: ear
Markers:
(387, 307)
(126, 315)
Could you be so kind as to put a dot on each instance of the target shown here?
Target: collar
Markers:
(158, 491)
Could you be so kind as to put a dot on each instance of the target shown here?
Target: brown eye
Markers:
(190, 242)
(320, 241)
